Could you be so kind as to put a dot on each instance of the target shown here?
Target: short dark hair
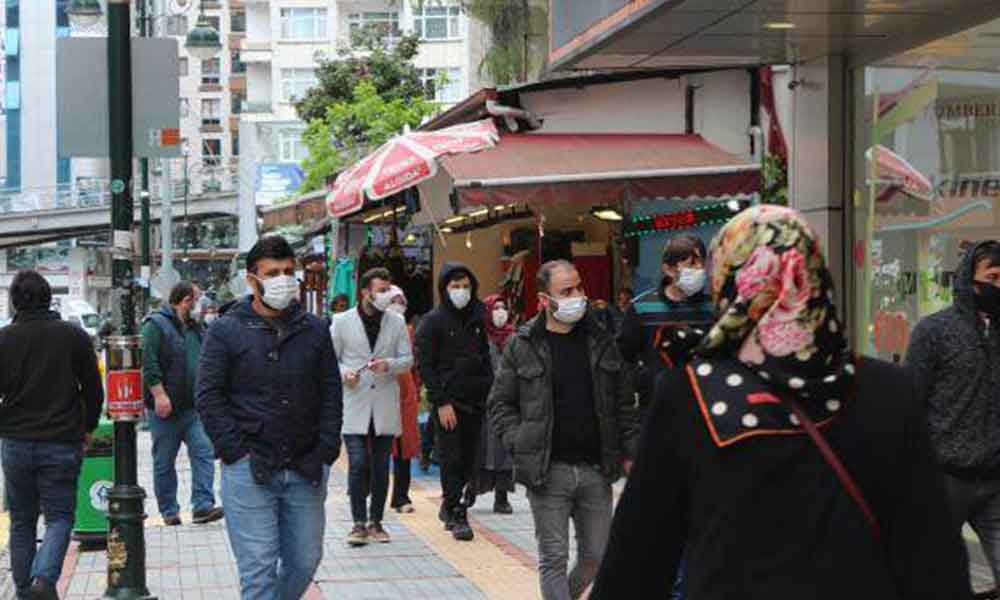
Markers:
(339, 298)
(628, 291)
(30, 291)
(988, 251)
(270, 246)
(544, 277)
(180, 291)
(683, 247)
(372, 274)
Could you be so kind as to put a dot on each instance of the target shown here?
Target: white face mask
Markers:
(210, 317)
(691, 281)
(460, 297)
(570, 310)
(399, 309)
(382, 300)
(500, 317)
(279, 291)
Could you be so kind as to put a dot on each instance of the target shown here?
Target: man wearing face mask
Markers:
(269, 394)
(373, 346)
(171, 344)
(453, 357)
(563, 405)
(658, 334)
(954, 356)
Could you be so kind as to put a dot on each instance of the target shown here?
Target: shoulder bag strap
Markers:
(838, 467)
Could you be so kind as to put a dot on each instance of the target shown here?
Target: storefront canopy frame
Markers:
(598, 169)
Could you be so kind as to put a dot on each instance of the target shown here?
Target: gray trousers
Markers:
(580, 493)
(977, 502)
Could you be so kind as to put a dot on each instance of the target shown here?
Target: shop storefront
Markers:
(927, 155)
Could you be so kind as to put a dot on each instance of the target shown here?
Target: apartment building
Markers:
(285, 41)
(212, 94)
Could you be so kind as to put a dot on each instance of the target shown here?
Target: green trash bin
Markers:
(97, 477)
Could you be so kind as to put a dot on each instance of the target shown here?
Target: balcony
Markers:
(253, 51)
(257, 108)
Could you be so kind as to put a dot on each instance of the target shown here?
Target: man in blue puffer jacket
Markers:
(269, 394)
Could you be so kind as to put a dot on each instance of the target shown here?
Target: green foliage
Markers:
(354, 127)
(389, 68)
(774, 180)
(362, 100)
(516, 29)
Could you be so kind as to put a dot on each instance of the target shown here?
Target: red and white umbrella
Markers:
(893, 170)
(403, 162)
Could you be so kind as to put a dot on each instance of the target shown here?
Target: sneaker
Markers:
(42, 590)
(208, 516)
(377, 534)
(172, 521)
(503, 508)
(460, 526)
(406, 509)
(358, 535)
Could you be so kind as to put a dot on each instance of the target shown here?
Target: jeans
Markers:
(368, 460)
(977, 502)
(275, 530)
(457, 455)
(167, 437)
(40, 477)
(581, 493)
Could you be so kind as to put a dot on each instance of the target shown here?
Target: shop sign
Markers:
(699, 216)
(963, 110)
(124, 391)
(980, 185)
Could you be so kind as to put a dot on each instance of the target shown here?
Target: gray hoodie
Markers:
(954, 358)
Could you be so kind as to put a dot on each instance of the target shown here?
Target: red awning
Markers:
(598, 169)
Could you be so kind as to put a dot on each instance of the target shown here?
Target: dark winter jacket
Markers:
(452, 349)
(954, 359)
(274, 397)
(521, 403)
(170, 352)
(50, 386)
(648, 343)
(768, 518)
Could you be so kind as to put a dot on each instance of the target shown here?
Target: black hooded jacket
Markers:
(954, 357)
(452, 350)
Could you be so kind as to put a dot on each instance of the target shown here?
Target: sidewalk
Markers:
(423, 561)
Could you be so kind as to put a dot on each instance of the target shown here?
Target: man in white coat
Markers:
(373, 347)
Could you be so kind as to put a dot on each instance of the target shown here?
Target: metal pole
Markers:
(126, 545)
(167, 218)
(144, 243)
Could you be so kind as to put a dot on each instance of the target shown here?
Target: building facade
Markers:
(285, 42)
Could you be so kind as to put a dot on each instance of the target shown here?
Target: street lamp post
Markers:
(126, 513)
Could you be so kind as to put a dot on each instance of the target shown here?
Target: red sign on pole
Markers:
(125, 395)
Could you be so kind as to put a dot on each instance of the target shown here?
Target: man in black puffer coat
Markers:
(453, 356)
(954, 357)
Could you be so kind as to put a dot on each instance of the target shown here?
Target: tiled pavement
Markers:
(195, 562)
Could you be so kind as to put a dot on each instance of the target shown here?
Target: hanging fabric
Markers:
(345, 280)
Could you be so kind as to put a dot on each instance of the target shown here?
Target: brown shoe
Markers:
(172, 521)
(377, 534)
(358, 536)
(208, 516)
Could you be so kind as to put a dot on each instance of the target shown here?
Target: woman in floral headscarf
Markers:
(728, 475)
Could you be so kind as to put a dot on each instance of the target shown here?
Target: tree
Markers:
(359, 104)
(518, 37)
(388, 67)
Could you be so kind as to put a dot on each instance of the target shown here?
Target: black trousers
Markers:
(458, 456)
(401, 476)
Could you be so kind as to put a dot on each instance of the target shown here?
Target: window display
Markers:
(927, 173)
